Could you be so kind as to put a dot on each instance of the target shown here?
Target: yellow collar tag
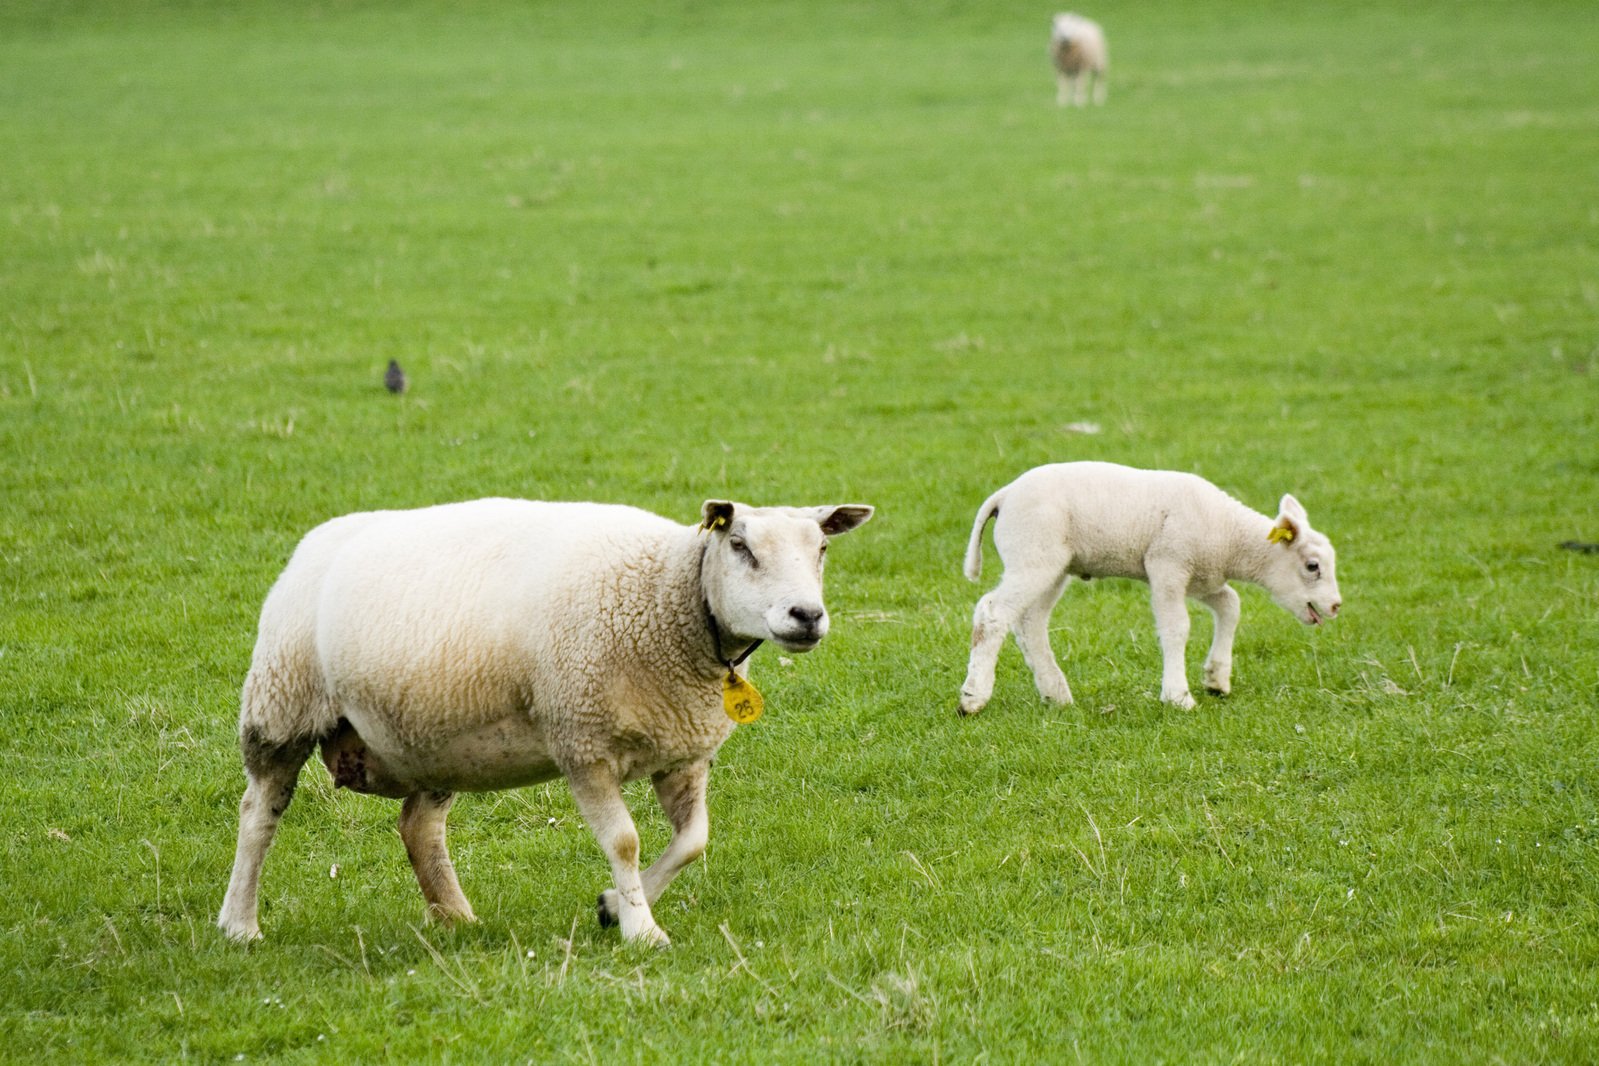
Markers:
(740, 700)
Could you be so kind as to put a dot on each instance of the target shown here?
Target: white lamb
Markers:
(1077, 47)
(491, 644)
(1178, 532)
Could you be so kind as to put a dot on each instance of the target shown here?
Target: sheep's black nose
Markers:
(806, 616)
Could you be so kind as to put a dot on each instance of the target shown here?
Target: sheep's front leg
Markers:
(1223, 603)
(422, 828)
(1167, 595)
(681, 793)
(598, 793)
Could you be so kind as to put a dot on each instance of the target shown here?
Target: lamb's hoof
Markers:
(240, 934)
(1183, 702)
(608, 916)
(970, 705)
(652, 936)
(1218, 691)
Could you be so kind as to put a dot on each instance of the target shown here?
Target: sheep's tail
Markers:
(974, 547)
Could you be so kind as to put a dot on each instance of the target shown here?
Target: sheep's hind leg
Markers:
(682, 796)
(422, 828)
(271, 770)
(1223, 603)
(990, 622)
(1032, 635)
(598, 793)
(1032, 576)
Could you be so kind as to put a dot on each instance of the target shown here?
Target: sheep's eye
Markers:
(823, 553)
(743, 549)
(1313, 566)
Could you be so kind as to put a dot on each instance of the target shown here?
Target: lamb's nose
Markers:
(1334, 609)
(806, 616)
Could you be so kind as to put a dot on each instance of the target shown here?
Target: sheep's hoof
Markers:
(240, 935)
(608, 916)
(451, 916)
(1218, 691)
(654, 937)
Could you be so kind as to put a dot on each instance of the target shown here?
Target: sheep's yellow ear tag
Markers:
(1281, 534)
(718, 521)
(740, 700)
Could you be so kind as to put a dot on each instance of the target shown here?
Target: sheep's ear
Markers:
(716, 514)
(842, 519)
(1291, 522)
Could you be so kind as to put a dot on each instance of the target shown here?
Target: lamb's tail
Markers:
(974, 547)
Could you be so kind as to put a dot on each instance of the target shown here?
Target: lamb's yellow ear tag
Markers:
(1280, 534)
(740, 700)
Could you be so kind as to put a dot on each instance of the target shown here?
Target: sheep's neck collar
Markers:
(741, 702)
(716, 639)
(716, 630)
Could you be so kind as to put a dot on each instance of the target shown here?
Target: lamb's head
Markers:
(763, 569)
(1301, 574)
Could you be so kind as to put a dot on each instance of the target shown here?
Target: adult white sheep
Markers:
(1178, 532)
(1077, 48)
(496, 643)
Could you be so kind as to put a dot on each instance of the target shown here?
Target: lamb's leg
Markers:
(1062, 90)
(1223, 603)
(681, 793)
(1027, 581)
(1167, 595)
(1079, 90)
(271, 771)
(422, 828)
(598, 793)
(1032, 634)
(990, 622)
(1100, 89)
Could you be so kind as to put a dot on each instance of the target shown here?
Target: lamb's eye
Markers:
(823, 553)
(1313, 566)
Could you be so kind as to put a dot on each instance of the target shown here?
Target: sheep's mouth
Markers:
(796, 643)
(1314, 616)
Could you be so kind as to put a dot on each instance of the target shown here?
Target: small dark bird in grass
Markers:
(394, 378)
(1586, 547)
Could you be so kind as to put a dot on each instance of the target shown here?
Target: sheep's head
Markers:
(763, 569)
(1302, 577)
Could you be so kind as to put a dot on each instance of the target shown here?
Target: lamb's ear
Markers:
(1291, 522)
(716, 514)
(843, 518)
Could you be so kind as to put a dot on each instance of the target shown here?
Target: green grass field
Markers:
(808, 253)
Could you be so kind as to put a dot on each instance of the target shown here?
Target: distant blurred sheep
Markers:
(1077, 46)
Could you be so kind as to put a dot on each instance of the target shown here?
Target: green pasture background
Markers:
(806, 253)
